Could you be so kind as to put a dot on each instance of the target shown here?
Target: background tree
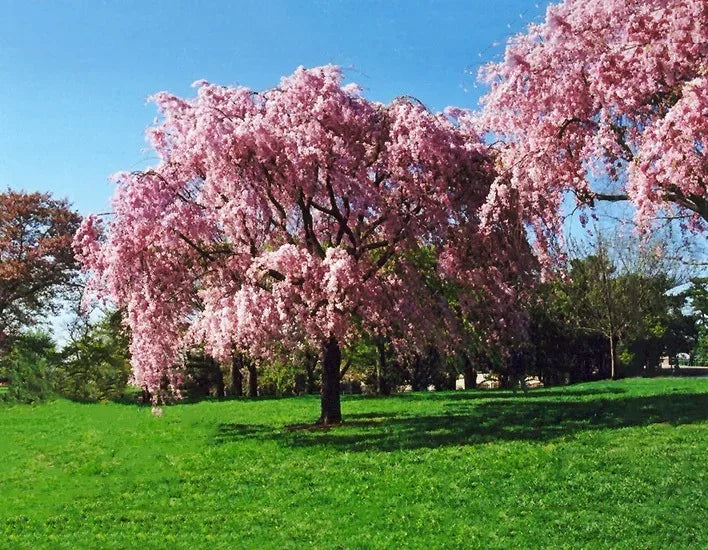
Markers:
(36, 259)
(202, 375)
(289, 218)
(606, 100)
(697, 295)
(30, 368)
(95, 362)
(564, 349)
(618, 310)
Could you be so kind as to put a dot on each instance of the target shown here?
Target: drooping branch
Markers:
(341, 219)
(694, 203)
(313, 244)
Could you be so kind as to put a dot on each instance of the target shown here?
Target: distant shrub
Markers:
(95, 362)
(29, 368)
(202, 376)
(278, 378)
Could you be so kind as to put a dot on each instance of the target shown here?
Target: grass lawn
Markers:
(611, 464)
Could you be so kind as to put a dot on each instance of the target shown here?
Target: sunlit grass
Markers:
(612, 464)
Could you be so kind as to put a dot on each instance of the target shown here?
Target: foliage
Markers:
(607, 305)
(29, 368)
(663, 330)
(697, 295)
(285, 218)
(699, 356)
(36, 259)
(430, 368)
(603, 93)
(95, 362)
(203, 376)
(278, 378)
(598, 465)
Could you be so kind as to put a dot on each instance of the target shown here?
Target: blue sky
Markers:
(75, 75)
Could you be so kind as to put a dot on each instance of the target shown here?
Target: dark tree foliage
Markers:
(96, 361)
(578, 322)
(697, 295)
(36, 258)
(562, 351)
(29, 368)
(202, 376)
(428, 369)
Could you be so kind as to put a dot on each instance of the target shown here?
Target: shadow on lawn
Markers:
(230, 432)
(569, 391)
(132, 396)
(472, 423)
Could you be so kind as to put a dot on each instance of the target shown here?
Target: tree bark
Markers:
(145, 396)
(383, 386)
(468, 372)
(236, 375)
(310, 366)
(417, 378)
(606, 283)
(218, 379)
(331, 410)
(214, 377)
(252, 378)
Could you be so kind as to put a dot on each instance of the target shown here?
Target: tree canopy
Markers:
(295, 216)
(36, 259)
(607, 99)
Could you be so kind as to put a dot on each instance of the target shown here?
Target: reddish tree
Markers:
(36, 259)
(294, 217)
(607, 99)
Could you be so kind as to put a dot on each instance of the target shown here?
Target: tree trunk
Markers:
(469, 373)
(236, 375)
(218, 379)
(383, 387)
(417, 379)
(609, 302)
(331, 362)
(310, 366)
(252, 378)
(145, 396)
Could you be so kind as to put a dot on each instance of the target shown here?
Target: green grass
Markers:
(612, 464)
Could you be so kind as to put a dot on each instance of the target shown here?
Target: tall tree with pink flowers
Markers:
(293, 217)
(608, 100)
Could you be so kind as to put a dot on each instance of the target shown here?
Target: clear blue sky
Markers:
(75, 75)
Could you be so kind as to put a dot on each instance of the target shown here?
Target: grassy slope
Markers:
(613, 464)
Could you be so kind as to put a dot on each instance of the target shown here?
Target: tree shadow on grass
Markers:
(464, 395)
(371, 415)
(228, 432)
(482, 422)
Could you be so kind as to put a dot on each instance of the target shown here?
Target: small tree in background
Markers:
(95, 361)
(30, 368)
(616, 313)
(697, 295)
(36, 259)
(202, 376)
